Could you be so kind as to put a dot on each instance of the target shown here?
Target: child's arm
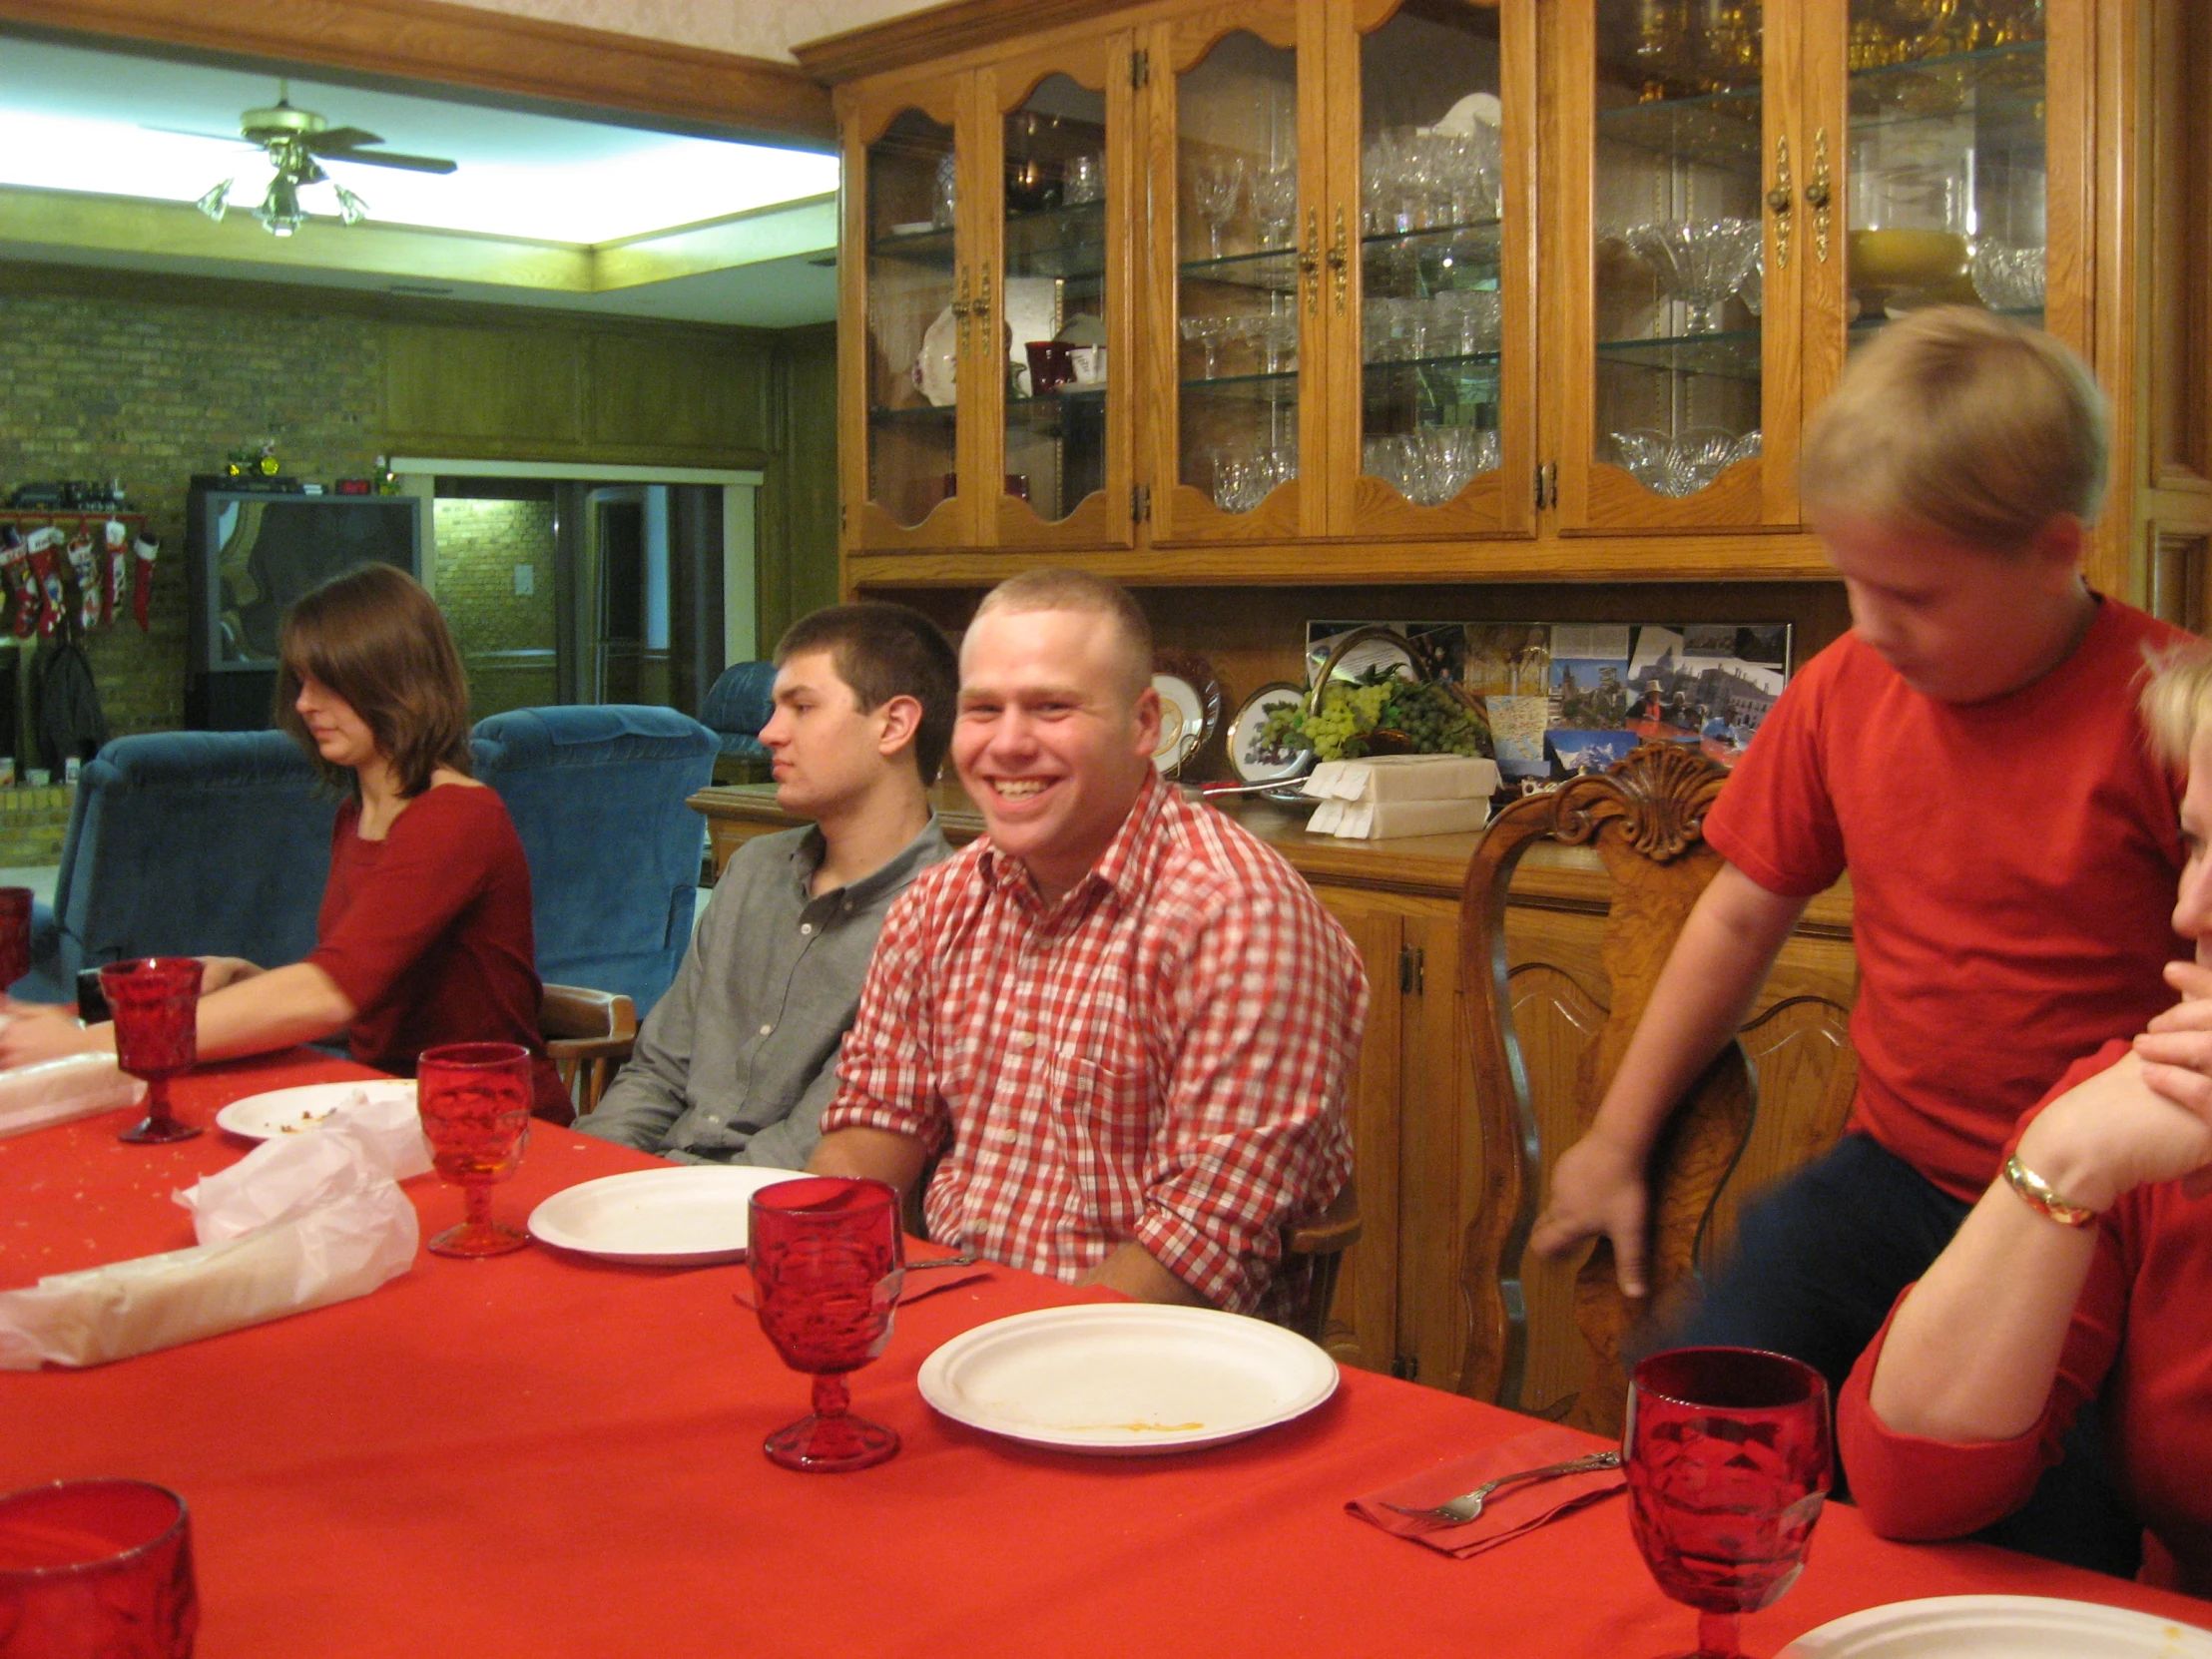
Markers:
(1706, 988)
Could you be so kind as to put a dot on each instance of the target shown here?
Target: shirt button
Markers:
(1022, 1039)
(765, 1029)
(805, 929)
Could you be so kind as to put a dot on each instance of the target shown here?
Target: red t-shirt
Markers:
(427, 932)
(2012, 868)
(2139, 1334)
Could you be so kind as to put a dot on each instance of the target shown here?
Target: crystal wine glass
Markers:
(827, 1260)
(1726, 1456)
(1214, 190)
(1699, 264)
(476, 1101)
(156, 1004)
(1274, 192)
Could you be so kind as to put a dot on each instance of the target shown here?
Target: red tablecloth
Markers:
(539, 1455)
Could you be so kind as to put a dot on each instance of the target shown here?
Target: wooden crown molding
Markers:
(938, 32)
(465, 46)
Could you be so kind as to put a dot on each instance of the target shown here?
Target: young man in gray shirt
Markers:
(735, 1063)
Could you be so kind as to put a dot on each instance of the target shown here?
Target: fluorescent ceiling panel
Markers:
(119, 124)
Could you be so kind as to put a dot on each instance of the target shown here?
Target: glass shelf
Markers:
(1473, 359)
(2001, 88)
(920, 414)
(1717, 130)
(1273, 270)
(931, 248)
(1067, 243)
(1733, 353)
(1280, 387)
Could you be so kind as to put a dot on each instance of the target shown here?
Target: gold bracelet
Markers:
(2036, 1193)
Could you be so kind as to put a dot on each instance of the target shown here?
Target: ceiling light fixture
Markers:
(293, 139)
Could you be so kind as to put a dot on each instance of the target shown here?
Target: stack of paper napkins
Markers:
(300, 1223)
(1401, 794)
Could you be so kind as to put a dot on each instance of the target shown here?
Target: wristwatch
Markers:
(2038, 1195)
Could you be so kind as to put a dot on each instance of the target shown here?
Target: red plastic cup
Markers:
(96, 1567)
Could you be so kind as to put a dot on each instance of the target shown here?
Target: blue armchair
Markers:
(597, 795)
(735, 708)
(186, 844)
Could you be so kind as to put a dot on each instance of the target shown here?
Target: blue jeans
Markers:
(1819, 1260)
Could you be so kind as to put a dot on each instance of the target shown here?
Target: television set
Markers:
(248, 555)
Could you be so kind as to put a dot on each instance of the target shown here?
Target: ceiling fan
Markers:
(296, 142)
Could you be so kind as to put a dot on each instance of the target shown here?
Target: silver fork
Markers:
(1469, 1507)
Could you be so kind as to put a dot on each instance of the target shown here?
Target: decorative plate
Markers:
(1254, 762)
(936, 369)
(1190, 707)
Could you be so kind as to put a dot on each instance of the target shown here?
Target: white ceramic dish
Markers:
(688, 1215)
(260, 1117)
(914, 227)
(1126, 1379)
(1182, 721)
(936, 368)
(1254, 763)
(2001, 1627)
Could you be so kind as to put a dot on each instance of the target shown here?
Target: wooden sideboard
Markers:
(1399, 1306)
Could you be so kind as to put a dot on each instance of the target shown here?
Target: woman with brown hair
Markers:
(424, 933)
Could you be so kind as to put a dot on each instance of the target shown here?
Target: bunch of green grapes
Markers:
(1438, 722)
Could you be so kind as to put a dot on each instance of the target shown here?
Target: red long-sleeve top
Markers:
(427, 932)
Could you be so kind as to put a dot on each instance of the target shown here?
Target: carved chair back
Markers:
(1554, 1338)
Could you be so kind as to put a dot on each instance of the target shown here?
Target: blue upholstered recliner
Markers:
(735, 707)
(597, 793)
(186, 844)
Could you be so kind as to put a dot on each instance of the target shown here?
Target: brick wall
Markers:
(93, 387)
(479, 543)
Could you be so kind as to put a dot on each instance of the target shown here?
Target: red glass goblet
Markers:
(827, 1259)
(476, 1101)
(1727, 1455)
(156, 1004)
(15, 934)
(96, 1567)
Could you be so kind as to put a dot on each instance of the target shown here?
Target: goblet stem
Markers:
(1719, 1636)
(1700, 320)
(832, 1398)
(477, 1197)
(158, 1126)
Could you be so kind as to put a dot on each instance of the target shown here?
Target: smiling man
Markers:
(735, 1064)
(1124, 1027)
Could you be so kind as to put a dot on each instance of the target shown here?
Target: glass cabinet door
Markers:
(1425, 209)
(914, 297)
(1239, 263)
(1948, 164)
(1063, 472)
(1684, 275)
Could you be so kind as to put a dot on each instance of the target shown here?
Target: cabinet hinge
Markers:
(844, 520)
(1139, 67)
(1410, 969)
(1548, 486)
(1405, 1367)
(1140, 502)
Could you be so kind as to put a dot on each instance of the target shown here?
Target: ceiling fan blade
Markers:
(379, 158)
(187, 132)
(338, 137)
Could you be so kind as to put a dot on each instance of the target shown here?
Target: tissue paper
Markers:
(57, 1091)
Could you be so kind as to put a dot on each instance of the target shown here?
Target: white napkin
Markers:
(56, 1091)
(298, 1223)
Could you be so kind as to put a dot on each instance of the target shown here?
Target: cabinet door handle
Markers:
(1780, 199)
(961, 308)
(1309, 262)
(1339, 262)
(1818, 194)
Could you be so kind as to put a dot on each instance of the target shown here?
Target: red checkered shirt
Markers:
(1163, 1055)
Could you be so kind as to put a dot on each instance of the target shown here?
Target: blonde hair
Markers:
(2177, 699)
(1964, 423)
(1059, 588)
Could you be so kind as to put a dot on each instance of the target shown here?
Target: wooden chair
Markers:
(1644, 818)
(1323, 1241)
(589, 1035)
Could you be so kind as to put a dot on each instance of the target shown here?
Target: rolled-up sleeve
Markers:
(886, 1070)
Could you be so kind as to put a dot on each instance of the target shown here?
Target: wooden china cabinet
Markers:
(1418, 302)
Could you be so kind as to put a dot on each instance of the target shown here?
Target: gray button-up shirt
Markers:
(735, 1063)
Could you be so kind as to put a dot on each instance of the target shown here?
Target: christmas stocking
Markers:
(118, 569)
(147, 548)
(86, 570)
(15, 569)
(46, 578)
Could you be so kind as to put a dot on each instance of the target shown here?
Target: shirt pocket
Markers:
(1102, 1117)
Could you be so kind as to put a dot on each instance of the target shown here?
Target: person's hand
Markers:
(1597, 1187)
(2113, 1133)
(218, 971)
(46, 1032)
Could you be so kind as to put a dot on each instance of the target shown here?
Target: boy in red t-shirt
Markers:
(1972, 754)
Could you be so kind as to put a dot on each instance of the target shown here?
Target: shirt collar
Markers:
(811, 849)
(1119, 869)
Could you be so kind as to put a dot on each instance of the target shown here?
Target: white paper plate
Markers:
(687, 1214)
(2001, 1627)
(1126, 1379)
(259, 1117)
